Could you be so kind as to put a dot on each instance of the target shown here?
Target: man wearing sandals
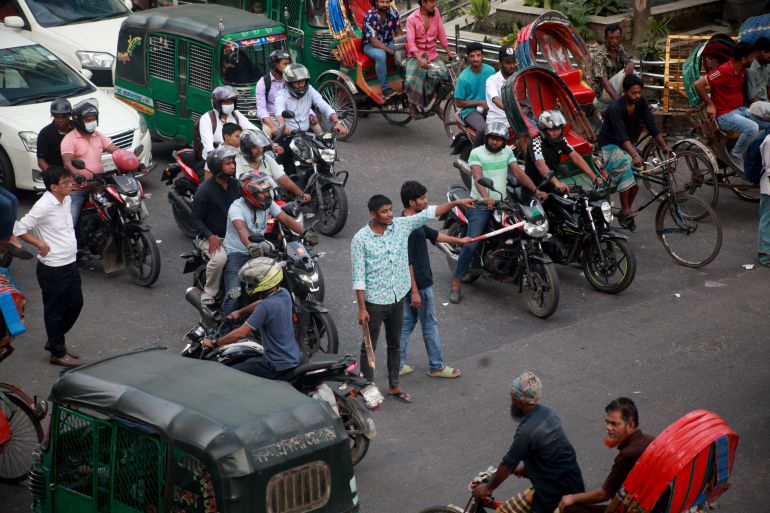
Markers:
(421, 305)
(764, 206)
(617, 140)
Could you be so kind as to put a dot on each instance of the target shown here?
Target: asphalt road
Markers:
(677, 340)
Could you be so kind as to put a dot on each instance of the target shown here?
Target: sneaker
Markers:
(736, 161)
(454, 296)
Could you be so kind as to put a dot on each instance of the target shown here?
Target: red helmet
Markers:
(125, 161)
(256, 190)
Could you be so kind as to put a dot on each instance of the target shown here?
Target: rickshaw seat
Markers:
(574, 80)
(362, 59)
(579, 144)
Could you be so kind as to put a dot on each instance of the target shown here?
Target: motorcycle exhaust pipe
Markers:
(447, 250)
(209, 316)
(193, 296)
(178, 202)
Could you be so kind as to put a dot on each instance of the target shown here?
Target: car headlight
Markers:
(30, 141)
(536, 230)
(607, 211)
(142, 126)
(96, 60)
(132, 203)
(328, 155)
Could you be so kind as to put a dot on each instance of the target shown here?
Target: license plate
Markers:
(372, 396)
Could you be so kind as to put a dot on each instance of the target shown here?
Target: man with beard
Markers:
(494, 86)
(50, 137)
(423, 28)
(540, 452)
(381, 24)
(609, 65)
(470, 91)
(617, 140)
(493, 160)
(758, 80)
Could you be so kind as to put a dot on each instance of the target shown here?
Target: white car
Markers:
(84, 33)
(30, 78)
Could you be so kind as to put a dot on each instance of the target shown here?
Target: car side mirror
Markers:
(13, 22)
(287, 114)
(78, 164)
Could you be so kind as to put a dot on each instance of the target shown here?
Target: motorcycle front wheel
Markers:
(351, 415)
(321, 335)
(141, 257)
(541, 289)
(334, 213)
(615, 272)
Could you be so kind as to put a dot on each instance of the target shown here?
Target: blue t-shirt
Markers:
(272, 317)
(472, 86)
(256, 221)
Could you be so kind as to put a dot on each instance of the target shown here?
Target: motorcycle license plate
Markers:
(372, 396)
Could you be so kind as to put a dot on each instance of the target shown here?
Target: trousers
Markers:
(392, 316)
(62, 302)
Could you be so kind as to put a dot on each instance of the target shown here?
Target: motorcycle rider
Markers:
(271, 315)
(267, 90)
(253, 159)
(50, 137)
(470, 91)
(84, 143)
(300, 98)
(493, 160)
(494, 85)
(248, 216)
(224, 100)
(209, 215)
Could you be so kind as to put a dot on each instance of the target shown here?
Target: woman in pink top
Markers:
(424, 28)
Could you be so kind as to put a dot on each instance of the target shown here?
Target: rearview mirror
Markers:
(287, 114)
(486, 182)
(78, 164)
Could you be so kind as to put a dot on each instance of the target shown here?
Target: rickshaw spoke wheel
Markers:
(340, 98)
(448, 117)
(397, 103)
(26, 433)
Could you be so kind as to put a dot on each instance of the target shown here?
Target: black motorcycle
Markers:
(349, 395)
(112, 226)
(510, 249)
(580, 225)
(309, 161)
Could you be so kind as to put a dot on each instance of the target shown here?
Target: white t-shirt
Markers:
(494, 88)
(209, 137)
(764, 182)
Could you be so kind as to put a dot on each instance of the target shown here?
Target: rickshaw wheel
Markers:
(448, 112)
(340, 98)
(398, 119)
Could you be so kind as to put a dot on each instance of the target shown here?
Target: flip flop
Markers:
(401, 396)
(405, 369)
(764, 260)
(446, 372)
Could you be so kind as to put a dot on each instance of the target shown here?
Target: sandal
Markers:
(401, 396)
(764, 260)
(405, 369)
(446, 372)
(207, 299)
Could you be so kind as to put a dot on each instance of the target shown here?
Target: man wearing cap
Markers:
(494, 86)
(540, 452)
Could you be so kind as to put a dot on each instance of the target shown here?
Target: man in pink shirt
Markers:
(424, 28)
(87, 144)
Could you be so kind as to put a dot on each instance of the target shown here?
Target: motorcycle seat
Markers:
(457, 192)
(309, 366)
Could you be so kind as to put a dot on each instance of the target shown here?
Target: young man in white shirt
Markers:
(494, 86)
(48, 226)
(224, 100)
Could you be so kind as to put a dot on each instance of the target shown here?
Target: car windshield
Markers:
(245, 63)
(54, 13)
(31, 74)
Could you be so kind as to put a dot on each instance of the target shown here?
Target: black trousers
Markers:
(392, 316)
(62, 302)
(258, 366)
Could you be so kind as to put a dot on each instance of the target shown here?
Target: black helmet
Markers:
(252, 139)
(506, 53)
(296, 73)
(222, 93)
(277, 56)
(215, 158)
(61, 106)
(549, 119)
(82, 110)
(496, 130)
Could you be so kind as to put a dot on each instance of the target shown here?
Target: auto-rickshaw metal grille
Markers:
(299, 489)
(321, 46)
(83, 454)
(165, 107)
(162, 58)
(200, 67)
(247, 102)
(138, 481)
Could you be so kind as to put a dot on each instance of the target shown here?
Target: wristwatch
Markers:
(215, 342)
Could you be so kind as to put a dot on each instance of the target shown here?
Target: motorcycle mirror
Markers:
(78, 164)
(486, 182)
(80, 179)
(257, 237)
(287, 114)
(138, 150)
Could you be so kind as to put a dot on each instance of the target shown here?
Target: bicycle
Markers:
(474, 505)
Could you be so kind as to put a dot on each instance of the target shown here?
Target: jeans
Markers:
(62, 302)
(232, 283)
(476, 120)
(380, 58)
(78, 200)
(9, 206)
(258, 366)
(748, 125)
(478, 218)
(426, 314)
(764, 224)
(392, 316)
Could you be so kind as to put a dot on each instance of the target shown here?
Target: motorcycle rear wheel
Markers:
(334, 215)
(596, 271)
(458, 230)
(541, 289)
(183, 222)
(359, 443)
(142, 257)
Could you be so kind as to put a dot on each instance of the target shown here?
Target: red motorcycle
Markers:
(182, 191)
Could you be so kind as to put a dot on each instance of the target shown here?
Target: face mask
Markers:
(228, 109)
(91, 126)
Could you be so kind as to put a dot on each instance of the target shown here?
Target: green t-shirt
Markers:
(473, 86)
(493, 166)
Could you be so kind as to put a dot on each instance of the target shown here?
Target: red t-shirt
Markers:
(726, 87)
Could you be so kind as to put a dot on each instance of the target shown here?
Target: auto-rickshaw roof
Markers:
(243, 423)
(198, 22)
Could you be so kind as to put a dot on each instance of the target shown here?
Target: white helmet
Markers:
(550, 119)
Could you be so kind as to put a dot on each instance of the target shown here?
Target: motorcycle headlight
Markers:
(607, 211)
(132, 203)
(309, 277)
(536, 230)
(328, 155)
(96, 60)
(30, 141)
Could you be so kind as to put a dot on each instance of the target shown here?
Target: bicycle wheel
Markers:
(689, 230)
(26, 433)
(743, 189)
(694, 174)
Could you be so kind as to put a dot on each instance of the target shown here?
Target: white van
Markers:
(84, 33)
(30, 78)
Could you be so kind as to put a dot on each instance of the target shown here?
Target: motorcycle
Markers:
(182, 191)
(112, 227)
(349, 397)
(580, 225)
(309, 161)
(517, 256)
(462, 145)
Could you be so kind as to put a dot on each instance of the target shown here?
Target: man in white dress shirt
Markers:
(48, 227)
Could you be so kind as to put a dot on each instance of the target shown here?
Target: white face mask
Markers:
(228, 109)
(91, 126)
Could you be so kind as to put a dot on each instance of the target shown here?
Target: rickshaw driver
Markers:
(758, 80)
(381, 25)
(609, 66)
(300, 98)
(266, 95)
(271, 315)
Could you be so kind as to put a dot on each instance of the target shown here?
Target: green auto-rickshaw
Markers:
(170, 59)
(151, 432)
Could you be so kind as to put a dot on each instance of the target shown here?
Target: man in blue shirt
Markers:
(471, 92)
(381, 24)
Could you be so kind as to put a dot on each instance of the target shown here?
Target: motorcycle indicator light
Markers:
(351, 367)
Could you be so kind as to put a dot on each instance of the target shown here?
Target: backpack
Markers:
(752, 167)
(197, 144)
